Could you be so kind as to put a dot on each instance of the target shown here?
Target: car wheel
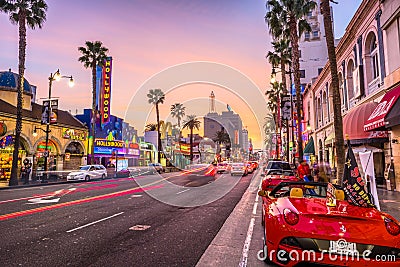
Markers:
(87, 178)
(103, 177)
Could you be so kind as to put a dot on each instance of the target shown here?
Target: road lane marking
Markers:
(76, 202)
(183, 191)
(139, 227)
(246, 247)
(86, 225)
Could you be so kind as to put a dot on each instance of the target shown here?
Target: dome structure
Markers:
(9, 80)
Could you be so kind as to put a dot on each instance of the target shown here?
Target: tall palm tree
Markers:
(273, 105)
(292, 14)
(94, 54)
(337, 113)
(222, 137)
(178, 111)
(156, 97)
(269, 129)
(31, 13)
(191, 123)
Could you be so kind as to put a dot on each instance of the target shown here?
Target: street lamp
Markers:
(53, 77)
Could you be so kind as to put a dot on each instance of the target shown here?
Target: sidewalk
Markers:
(389, 202)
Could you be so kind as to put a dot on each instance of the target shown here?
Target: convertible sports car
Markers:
(275, 177)
(301, 226)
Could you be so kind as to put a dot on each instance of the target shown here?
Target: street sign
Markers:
(46, 153)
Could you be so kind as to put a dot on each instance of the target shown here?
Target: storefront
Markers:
(386, 116)
(147, 153)
(6, 155)
(110, 153)
(132, 154)
(74, 150)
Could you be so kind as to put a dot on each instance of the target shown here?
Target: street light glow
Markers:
(71, 82)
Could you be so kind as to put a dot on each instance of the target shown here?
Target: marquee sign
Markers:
(107, 143)
(73, 134)
(106, 91)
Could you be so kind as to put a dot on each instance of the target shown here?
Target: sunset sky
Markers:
(146, 37)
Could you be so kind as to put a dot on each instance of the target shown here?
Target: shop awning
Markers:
(376, 119)
(310, 148)
(353, 124)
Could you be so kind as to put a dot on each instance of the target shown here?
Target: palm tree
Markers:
(151, 127)
(222, 137)
(269, 129)
(273, 105)
(178, 111)
(94, 54)
(291, 13)
(191, 123)
(156, 97)
(31, 13)
(337, 114)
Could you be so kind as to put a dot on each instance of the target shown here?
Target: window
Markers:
(307, 36)
(299, 53)
(374, 58)
(302, 73)
(320, 70)
(315, 34)
(309, 14)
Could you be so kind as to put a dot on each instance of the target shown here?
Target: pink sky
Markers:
(145, 37)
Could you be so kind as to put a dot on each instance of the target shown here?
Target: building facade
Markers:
(67, 140)
(367, 72)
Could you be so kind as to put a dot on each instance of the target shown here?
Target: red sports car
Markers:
(300, 227)
(275, 177)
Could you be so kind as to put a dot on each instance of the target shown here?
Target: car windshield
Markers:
(84, 168)
(307, 190)
(278, 165)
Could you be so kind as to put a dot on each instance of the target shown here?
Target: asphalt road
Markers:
(115, 222)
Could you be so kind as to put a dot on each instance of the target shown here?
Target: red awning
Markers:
(353, 123)
(377, 117)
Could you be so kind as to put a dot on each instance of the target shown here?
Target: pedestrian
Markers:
(304, 171)
(27, 173)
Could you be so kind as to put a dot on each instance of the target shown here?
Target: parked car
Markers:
(277, 165)
(87, 173)
(156, 167)
(297, 219)
(238, 168)
(275, 177)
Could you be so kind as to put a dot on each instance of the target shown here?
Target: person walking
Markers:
(304, 171)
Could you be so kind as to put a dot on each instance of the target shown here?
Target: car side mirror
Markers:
(262, 193)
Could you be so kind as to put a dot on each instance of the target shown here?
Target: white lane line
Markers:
(86, 225)
(246, 247)
(255, 208)
(183, 191)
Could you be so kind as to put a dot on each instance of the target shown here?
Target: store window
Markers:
(6, 155)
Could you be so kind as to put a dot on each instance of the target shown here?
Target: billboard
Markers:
(49, 107)
(105, 96)
(112, 130)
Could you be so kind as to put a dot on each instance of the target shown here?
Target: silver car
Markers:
(87, 173)
(238, 168)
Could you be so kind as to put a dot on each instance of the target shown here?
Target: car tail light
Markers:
(392, 227)
(291, 217)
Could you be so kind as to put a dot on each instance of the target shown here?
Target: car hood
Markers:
(354, 224)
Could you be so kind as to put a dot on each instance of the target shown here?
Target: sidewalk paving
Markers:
(389, 202)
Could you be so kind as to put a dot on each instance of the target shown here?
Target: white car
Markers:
(238, 168)
(87, 173)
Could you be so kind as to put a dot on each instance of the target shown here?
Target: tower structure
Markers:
(212, 103)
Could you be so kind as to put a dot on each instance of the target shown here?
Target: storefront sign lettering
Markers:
(107, 143)
(106, 91)
(73, 134)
